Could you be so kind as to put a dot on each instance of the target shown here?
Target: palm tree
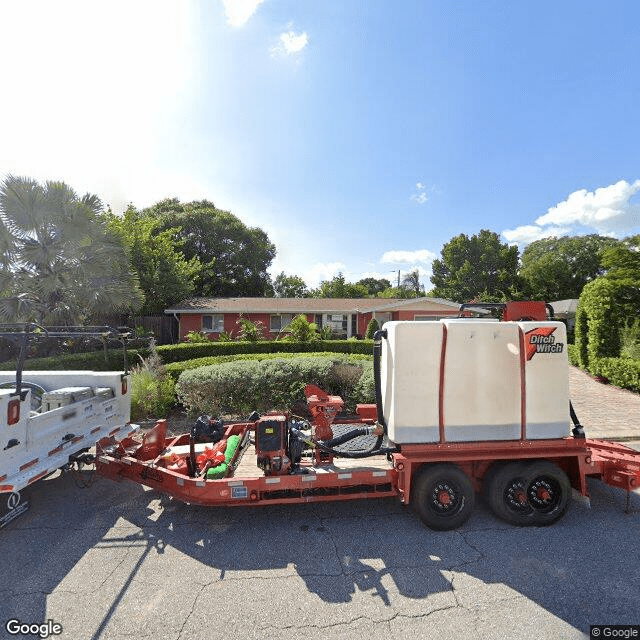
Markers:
(59, 262)
(411, 281)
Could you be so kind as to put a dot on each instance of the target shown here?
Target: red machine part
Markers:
(525, 310)
(324, 409)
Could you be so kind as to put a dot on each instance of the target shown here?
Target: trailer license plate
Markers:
(239, 492)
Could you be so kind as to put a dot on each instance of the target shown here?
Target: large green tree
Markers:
(60, 263)
(234, 257)
(338, 287)
(559, 268)
(479, 267)
(165, 275)
(285, 286)
(622, 260)
(374, 286)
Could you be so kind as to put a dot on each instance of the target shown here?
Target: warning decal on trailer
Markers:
(542, 340)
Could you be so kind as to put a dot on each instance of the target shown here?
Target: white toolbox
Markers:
(65, 396)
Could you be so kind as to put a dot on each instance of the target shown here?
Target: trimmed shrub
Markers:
(621, 372)
(174, 369)
(237, 388)
(581, 337)
(372, 327)
(111, 360)
(606, 304)
(572, 352)
(630, 340)
(180, 352)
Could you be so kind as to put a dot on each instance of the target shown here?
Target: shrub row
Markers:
(621, 372)
(111, 360)
(174, 369)
(237, 388)
(188, 351)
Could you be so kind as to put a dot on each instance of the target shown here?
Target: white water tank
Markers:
(467, 380)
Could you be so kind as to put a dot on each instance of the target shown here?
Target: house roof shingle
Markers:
(309, 305)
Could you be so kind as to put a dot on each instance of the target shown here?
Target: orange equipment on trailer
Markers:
(443, 429)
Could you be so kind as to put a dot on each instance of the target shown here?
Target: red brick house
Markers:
(347, 317)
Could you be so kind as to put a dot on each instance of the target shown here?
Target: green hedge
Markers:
(621, 372)
(572, 352)
(92, 361)
(174, 369)
(605, 306)
(237, 388)
(187, 351)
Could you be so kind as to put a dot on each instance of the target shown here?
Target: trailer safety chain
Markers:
(76, 464)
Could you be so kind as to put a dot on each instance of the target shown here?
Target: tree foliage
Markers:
(234, 257)
(374, 286)
(411, 282)
(338, 287)
(477, 267)
(285, 286)
(165, 275)
(622, 260)
(559, 268)
(60, 262)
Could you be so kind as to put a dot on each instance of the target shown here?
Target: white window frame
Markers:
(216, 320)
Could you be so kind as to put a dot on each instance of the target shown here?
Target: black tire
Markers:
(505, 489)
(548, 492)
(443, 496)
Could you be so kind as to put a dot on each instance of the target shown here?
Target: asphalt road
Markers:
(119, 561)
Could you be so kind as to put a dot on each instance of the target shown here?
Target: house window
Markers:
(280, 322)
(338, 323)
(382, 318)
(416, 317)
(213, 323)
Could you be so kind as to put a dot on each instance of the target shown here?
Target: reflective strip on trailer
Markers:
(29, 464)
(42, 474)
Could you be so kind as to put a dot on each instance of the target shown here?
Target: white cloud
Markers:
(238, 12)
(421, 255)
(323, 271)
(291, 43)
(530, 232)
(421, 195)
(607, 211)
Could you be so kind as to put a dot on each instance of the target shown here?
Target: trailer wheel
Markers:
(443, 496)
(506, 492)
(548, 492)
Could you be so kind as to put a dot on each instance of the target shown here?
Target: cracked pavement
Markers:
(120, 561)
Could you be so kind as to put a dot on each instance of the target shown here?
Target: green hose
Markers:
(215, 473)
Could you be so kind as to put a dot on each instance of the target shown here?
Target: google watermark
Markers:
(39, 629)
(626, 631)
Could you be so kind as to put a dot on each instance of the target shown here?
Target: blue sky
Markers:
(361, 136)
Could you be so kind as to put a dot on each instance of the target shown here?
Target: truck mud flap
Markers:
(12, 505)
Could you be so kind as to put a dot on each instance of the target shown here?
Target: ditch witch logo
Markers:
(541, 340)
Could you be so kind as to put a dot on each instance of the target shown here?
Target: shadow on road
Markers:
(91, 548)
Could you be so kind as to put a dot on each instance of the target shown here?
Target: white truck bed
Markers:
(77, 409)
